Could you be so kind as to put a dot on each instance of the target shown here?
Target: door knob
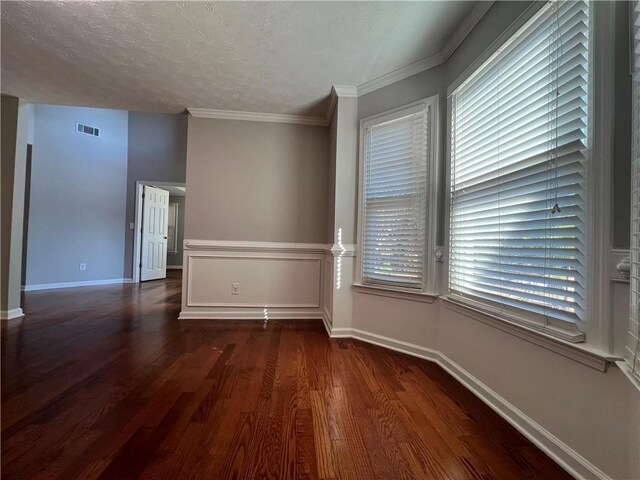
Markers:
(165, 237)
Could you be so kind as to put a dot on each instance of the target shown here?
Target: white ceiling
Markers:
(276, 57)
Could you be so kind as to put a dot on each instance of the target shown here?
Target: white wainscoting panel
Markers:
(275, 280)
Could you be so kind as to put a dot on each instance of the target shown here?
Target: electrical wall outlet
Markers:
(83, 266)
(235, 289)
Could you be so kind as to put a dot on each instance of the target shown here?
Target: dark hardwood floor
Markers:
(104, 382)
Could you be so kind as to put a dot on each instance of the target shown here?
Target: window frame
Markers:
(596, 328)
(429, 281)
(632, 343)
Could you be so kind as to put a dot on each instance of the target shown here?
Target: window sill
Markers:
(579, 352)
(401, 293)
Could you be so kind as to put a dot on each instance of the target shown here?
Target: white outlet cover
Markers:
(235, 289)
(83, 266)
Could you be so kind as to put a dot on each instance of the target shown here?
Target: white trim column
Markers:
(343, 195)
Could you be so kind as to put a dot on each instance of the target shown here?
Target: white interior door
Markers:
(155, 214)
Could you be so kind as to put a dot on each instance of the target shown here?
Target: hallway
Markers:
(104, 382)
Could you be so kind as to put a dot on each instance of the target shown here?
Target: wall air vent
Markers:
(87, 130)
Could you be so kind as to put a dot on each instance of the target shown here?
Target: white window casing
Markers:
(397, 212)
(633, 344)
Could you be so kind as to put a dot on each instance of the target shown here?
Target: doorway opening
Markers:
(159, 229)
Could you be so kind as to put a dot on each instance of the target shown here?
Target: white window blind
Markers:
(518, 153)
(395, 199)
(633, 346)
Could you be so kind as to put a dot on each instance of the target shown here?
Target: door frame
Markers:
(137, 224)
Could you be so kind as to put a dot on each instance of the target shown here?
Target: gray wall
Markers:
(174, 259)
(77, 204)
(157, 152)
(256, 181)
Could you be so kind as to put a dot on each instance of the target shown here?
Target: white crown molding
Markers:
(401, 73)
(476, 14)
(468, 24)
(336, 92)
(257, 117)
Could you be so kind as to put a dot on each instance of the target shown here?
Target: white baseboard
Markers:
(396, 345)
(174, 267)
(12, 314)
(560, 452)
(326, 321)
(272, 314)
(89, 283)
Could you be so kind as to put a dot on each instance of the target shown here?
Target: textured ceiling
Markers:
(277, 57)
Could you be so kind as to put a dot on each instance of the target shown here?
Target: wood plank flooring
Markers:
(105, 383)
